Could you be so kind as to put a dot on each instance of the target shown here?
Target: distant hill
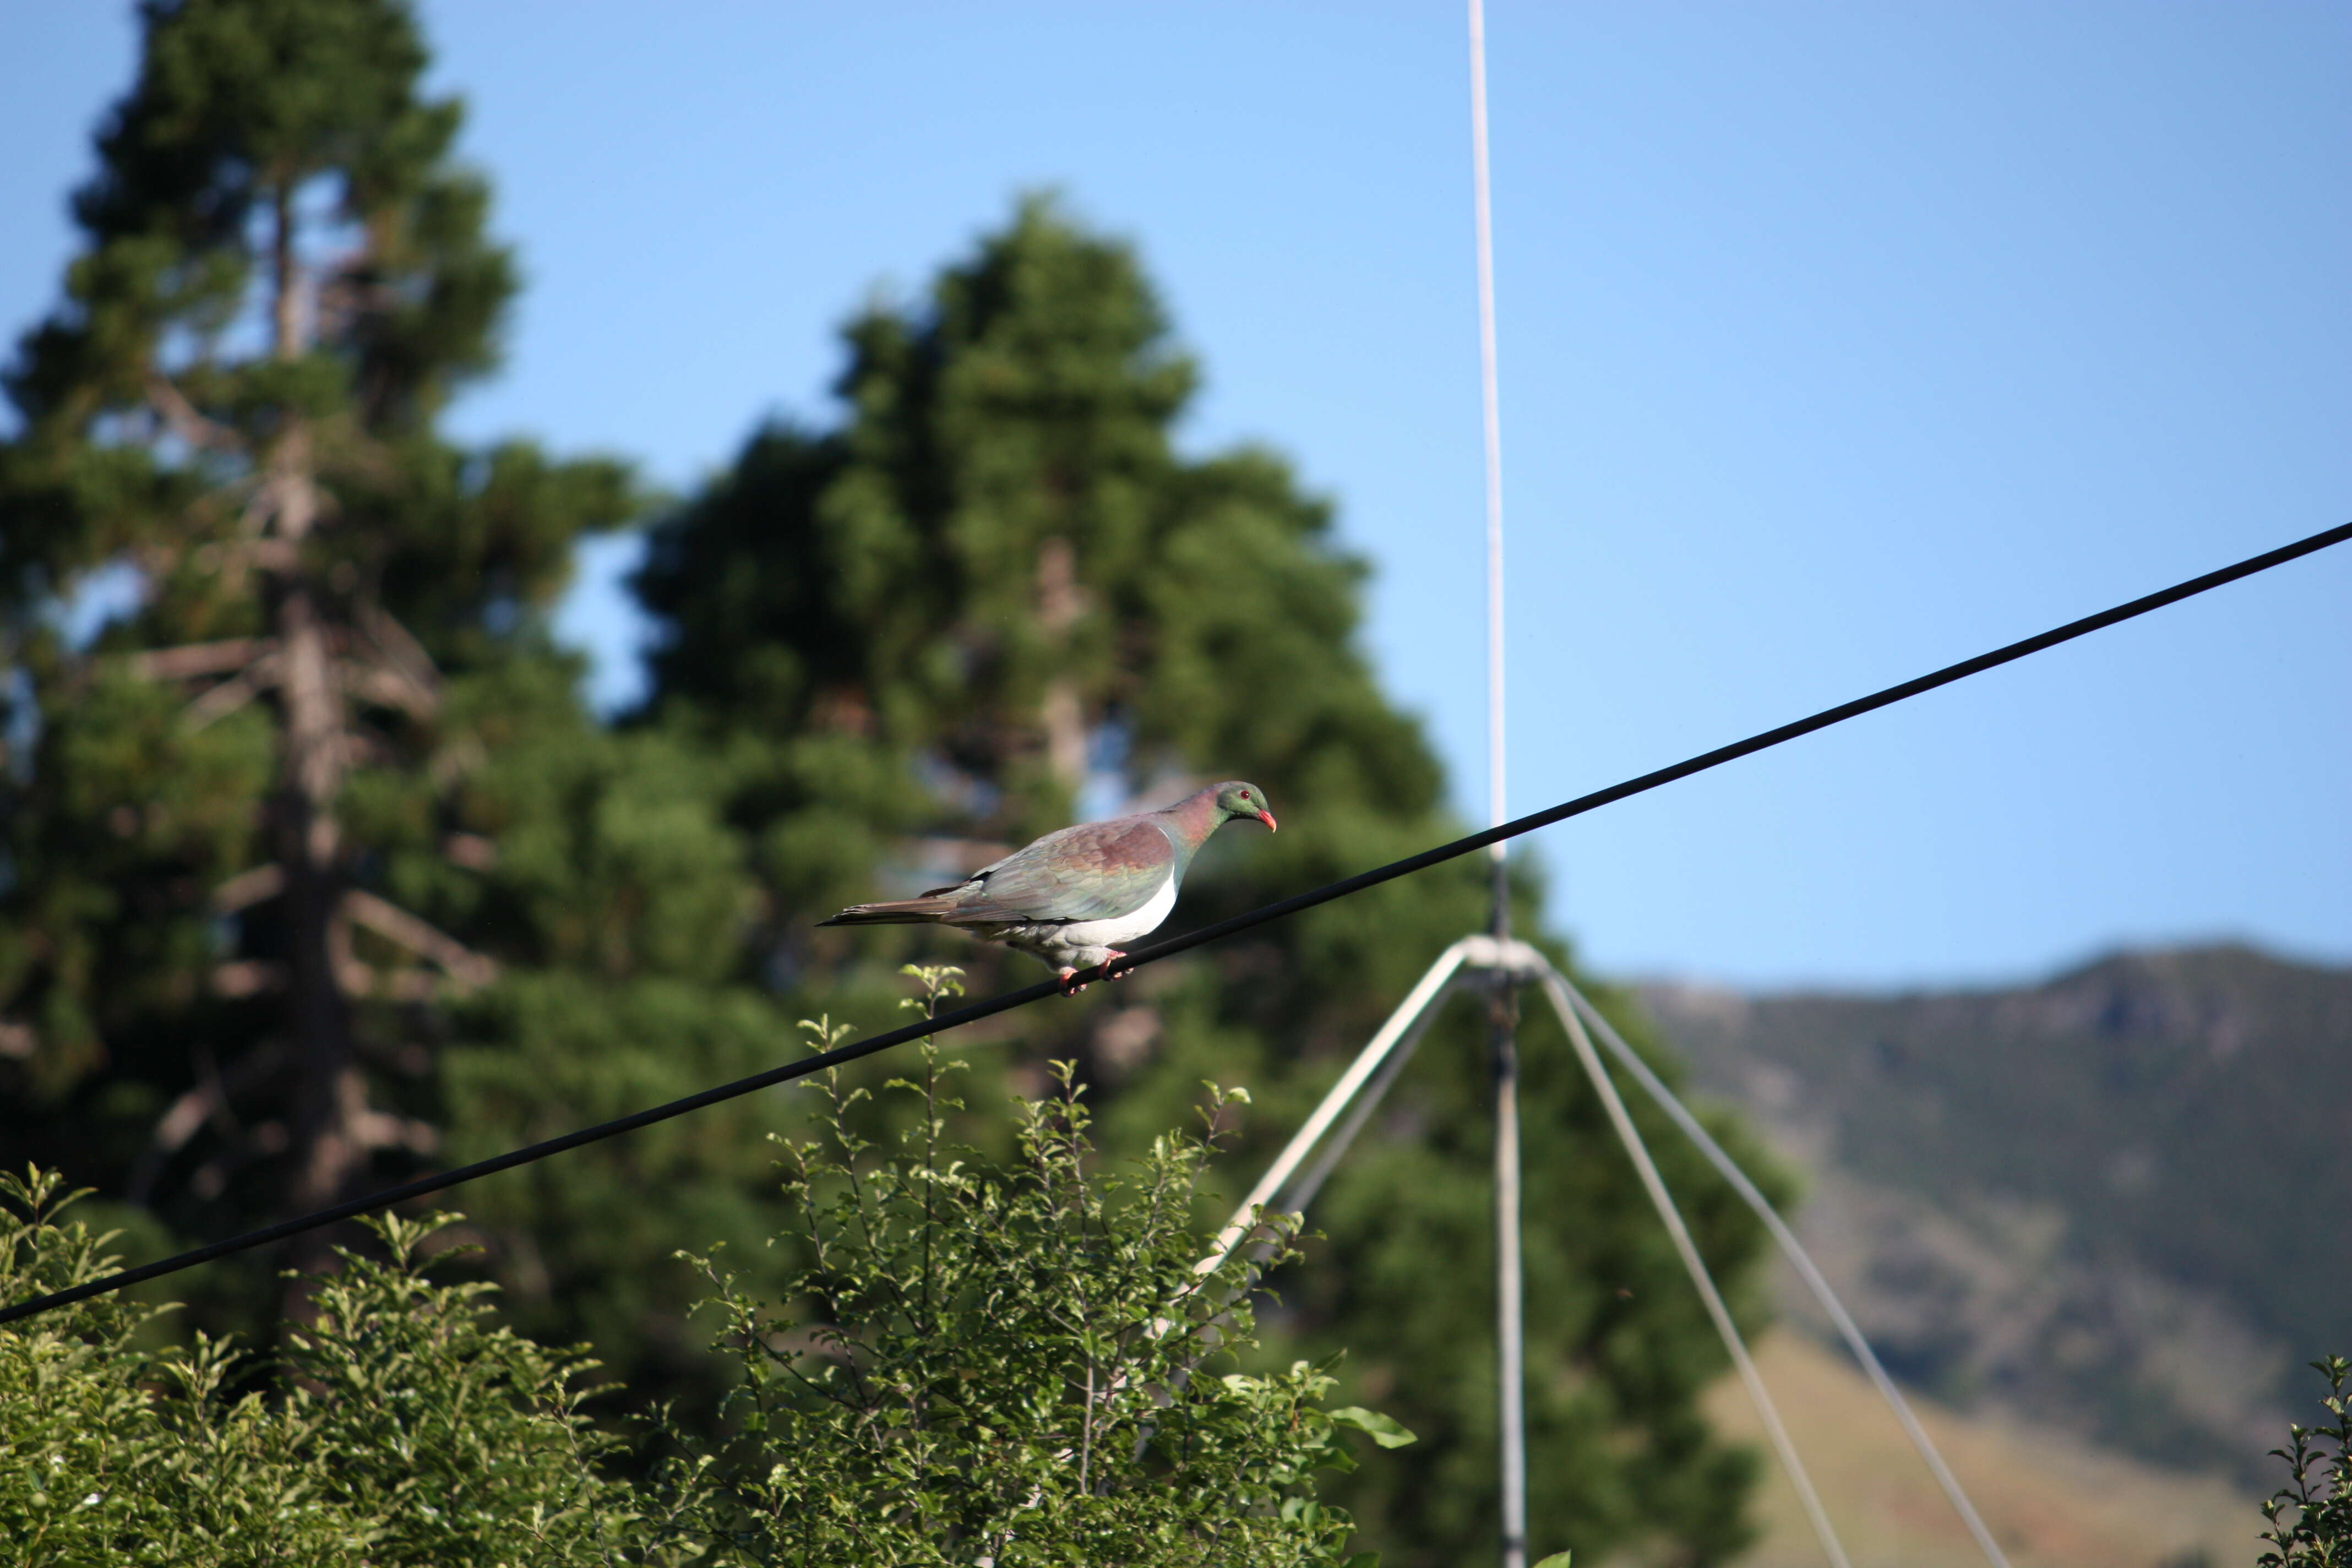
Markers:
(2119, 1202)
(2052, 1501)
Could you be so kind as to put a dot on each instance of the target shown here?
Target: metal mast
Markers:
(1502, 1018)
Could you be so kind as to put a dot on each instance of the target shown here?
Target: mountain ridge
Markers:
(2117, 1200)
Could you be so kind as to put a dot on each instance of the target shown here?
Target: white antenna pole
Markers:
(1503, 1017)
(1491, 399)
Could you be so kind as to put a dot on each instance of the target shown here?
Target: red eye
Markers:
(1244, 794)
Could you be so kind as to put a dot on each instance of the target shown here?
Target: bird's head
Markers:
(1235, 798)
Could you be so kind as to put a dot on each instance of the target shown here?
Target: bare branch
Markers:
(372, 1129)
(249, 887)
(359, 978)
(183, 420)
(359, 749)
(247, 977)
(196, 658)
(221, 701)
(461, 962)
(289, 502)
(399, 647)
(237, 556)
(470, 850)
(389, 685)
(173, 1129)
(234, 692)
(205, 1099)
(253, 518)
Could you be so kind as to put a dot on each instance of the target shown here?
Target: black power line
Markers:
(1007, 1001)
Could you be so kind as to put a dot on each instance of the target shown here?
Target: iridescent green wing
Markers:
(1095, 871)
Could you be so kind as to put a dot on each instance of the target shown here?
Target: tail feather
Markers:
(898, 912)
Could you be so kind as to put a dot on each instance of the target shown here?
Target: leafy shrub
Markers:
(402, 1425)
(1022, 1365)
(2319, 1488)
(992, 1364)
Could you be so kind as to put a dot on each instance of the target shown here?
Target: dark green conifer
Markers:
(314, 868)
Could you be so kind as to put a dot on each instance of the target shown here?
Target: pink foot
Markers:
(1069, 989)
(1111, 970)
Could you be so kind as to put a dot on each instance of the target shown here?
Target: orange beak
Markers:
(1267, 818)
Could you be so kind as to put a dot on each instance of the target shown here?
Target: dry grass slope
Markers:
(2050, 1500)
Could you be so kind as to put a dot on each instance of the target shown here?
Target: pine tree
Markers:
(997, 588)
(315, 870)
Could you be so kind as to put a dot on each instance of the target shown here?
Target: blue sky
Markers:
(1837, 342)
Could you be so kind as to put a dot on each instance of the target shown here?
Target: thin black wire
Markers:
(1006, 1002)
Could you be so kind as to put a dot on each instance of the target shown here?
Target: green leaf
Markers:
(1557, 1560)
(1385, 1430)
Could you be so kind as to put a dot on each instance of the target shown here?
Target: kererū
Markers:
(1073, 897)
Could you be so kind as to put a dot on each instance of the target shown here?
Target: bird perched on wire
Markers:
(1073, 897)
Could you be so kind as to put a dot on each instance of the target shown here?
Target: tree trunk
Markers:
(1060, 602)
(308, 847)
(326, 1094)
